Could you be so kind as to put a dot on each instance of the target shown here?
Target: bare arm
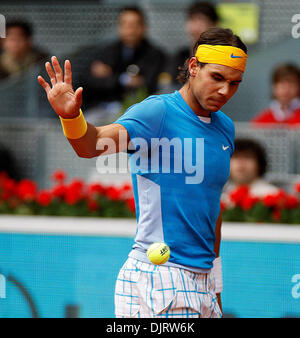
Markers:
(217, 249)
(218, 235)
(94, 139)
(66, 103)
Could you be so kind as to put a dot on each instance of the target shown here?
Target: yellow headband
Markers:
(222, 55)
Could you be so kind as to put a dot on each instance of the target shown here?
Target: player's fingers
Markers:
(78, 95)
(50, 73)
(58, 71)
(44, 84)
(68, 72)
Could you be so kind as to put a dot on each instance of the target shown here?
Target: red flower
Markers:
(239, 194)
(59, 191)
(9, 188)
(269, 200)
(113, 193)
(72, 197)
(275, 200)
(44, 198)
(126, 187)
(76, 184)
(248, 202)
(291, 202)
(130, 204)
(75, 192)
(93, 204)
(59, 176)
(297, 187)
(96, 188)
(27, 190)
(126, 191)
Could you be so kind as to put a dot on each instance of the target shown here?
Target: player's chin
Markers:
(214, 107)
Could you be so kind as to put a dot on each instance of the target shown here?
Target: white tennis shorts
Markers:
(151, 291)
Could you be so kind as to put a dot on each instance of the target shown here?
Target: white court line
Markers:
(68, 225)
(261, 232)
(88, 226)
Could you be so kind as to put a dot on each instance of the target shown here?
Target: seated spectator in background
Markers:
(122, 67)
(18, 52)
(285, 106)
(8, 163)
(200, 17)
(247, 167)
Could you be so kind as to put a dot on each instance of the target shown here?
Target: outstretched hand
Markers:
(61, 95)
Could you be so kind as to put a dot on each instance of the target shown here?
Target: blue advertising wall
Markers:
(260, 279)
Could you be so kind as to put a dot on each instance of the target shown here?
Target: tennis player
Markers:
(178, 207)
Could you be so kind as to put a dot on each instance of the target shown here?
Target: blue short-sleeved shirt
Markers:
(179, 166)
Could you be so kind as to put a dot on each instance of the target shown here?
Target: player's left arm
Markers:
(217, 248)
(218, 235)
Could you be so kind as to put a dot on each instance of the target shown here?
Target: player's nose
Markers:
(224, 90)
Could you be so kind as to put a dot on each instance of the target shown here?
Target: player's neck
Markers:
(190, 99)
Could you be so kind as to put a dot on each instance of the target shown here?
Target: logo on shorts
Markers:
(225, 148)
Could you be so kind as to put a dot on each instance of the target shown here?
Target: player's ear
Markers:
(193, 65)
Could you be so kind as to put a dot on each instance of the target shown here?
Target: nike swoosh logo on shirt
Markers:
(225, 148)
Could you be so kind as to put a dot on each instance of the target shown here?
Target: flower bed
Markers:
(75, 198)
(281, 207)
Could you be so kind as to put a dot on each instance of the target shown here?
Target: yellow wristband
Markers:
(74, 128)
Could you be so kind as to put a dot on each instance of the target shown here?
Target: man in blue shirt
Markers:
(180, 146)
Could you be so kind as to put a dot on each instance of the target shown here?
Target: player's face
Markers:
(213, 85)
(243, 168)
(131, 28)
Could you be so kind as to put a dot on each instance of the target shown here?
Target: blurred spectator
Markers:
(8, 163)
(285, 106)
(18, 52)
(247, 167)
(200, 17)
(124, 66)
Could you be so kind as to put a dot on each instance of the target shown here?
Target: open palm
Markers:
(61, 95)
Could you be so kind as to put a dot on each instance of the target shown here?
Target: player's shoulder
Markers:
(151, 107)
(152, 101)
(225, 122)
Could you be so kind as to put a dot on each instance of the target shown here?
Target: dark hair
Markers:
(134, 9)
(254, 148)
(205, 8)
(20, 23)
(283, 70)
(213, 36)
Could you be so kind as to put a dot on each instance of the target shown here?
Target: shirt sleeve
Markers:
(144, 120)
